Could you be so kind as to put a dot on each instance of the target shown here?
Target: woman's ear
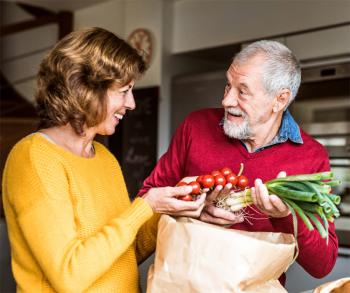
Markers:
(282, 100)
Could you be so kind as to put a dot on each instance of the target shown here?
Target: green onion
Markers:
(306, 195)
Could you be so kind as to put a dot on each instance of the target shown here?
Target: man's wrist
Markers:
(283, 224)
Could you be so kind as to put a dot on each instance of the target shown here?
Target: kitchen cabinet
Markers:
(320, 44)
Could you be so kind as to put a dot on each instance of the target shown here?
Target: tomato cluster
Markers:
(222, 177)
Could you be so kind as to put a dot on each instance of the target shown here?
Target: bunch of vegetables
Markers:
(307, 195)
(215, 178)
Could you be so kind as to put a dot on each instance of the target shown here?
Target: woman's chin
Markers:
(107, 131)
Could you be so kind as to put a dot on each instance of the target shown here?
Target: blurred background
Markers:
(189, 45)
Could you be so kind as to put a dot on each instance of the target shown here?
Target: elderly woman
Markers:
(72, 227)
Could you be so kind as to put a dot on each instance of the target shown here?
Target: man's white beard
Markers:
(234, 130)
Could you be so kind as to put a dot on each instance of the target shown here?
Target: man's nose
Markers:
(230, 98)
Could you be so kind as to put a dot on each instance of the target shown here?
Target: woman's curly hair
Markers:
(74, 77)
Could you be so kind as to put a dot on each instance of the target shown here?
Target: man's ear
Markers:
(281, 100)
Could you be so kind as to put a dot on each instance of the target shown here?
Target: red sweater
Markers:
(200, 146)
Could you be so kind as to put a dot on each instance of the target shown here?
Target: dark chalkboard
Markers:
(135, 140)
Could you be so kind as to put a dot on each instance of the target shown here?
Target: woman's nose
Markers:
(130, 101)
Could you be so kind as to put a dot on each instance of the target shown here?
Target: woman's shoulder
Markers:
(31, 148)
(103, 152)
(24, 145)
(101, 149)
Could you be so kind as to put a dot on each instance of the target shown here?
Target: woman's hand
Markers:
(163, 200)
(270, 205)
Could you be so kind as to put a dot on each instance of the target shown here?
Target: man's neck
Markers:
(263, 134)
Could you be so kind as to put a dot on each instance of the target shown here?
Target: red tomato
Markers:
(226, 171)
(208, 181)
(181, 183)
(216, 172)
(199, 179)
(185, 197)
(242, 181)
(196, 187)
(220, 180)
(232, 178)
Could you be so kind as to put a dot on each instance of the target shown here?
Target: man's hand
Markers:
(270, 205)
(218, 216)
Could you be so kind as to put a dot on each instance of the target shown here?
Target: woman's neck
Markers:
(66, 137)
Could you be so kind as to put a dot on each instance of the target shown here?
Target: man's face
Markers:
(247, 105)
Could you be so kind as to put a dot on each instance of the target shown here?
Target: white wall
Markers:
(122, 17)
(209, 23)
(147, 14)
(109, 15)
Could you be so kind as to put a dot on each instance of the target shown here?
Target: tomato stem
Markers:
(241, 168)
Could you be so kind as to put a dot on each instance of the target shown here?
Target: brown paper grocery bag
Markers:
(193, 256)
(337, 286)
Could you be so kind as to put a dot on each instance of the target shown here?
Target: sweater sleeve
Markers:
(316, 256)
(44, 210)
(146, 239)
(170, 167)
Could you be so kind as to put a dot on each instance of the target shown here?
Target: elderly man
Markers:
(256, 129)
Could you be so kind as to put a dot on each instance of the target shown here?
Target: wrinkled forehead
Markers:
(250, 68)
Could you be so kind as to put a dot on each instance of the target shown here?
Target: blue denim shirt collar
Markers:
(289, 130)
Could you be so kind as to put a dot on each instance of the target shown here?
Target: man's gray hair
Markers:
(281, 70)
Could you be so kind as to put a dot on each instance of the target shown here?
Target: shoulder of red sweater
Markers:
(309, 140)
(206, 113)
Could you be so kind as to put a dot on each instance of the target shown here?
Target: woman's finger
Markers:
(178, 190)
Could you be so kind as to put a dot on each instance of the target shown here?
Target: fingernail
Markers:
(219, 187)
(188, 189)
(258, 181)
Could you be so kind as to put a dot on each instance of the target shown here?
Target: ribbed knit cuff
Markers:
(137, 214)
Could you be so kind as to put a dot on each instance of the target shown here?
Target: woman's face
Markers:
(119, 100)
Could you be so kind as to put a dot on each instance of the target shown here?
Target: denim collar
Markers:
(289, 130)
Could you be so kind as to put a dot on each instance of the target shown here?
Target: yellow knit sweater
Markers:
(71, 225)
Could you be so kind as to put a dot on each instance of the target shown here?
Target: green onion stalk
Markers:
(308, 195)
